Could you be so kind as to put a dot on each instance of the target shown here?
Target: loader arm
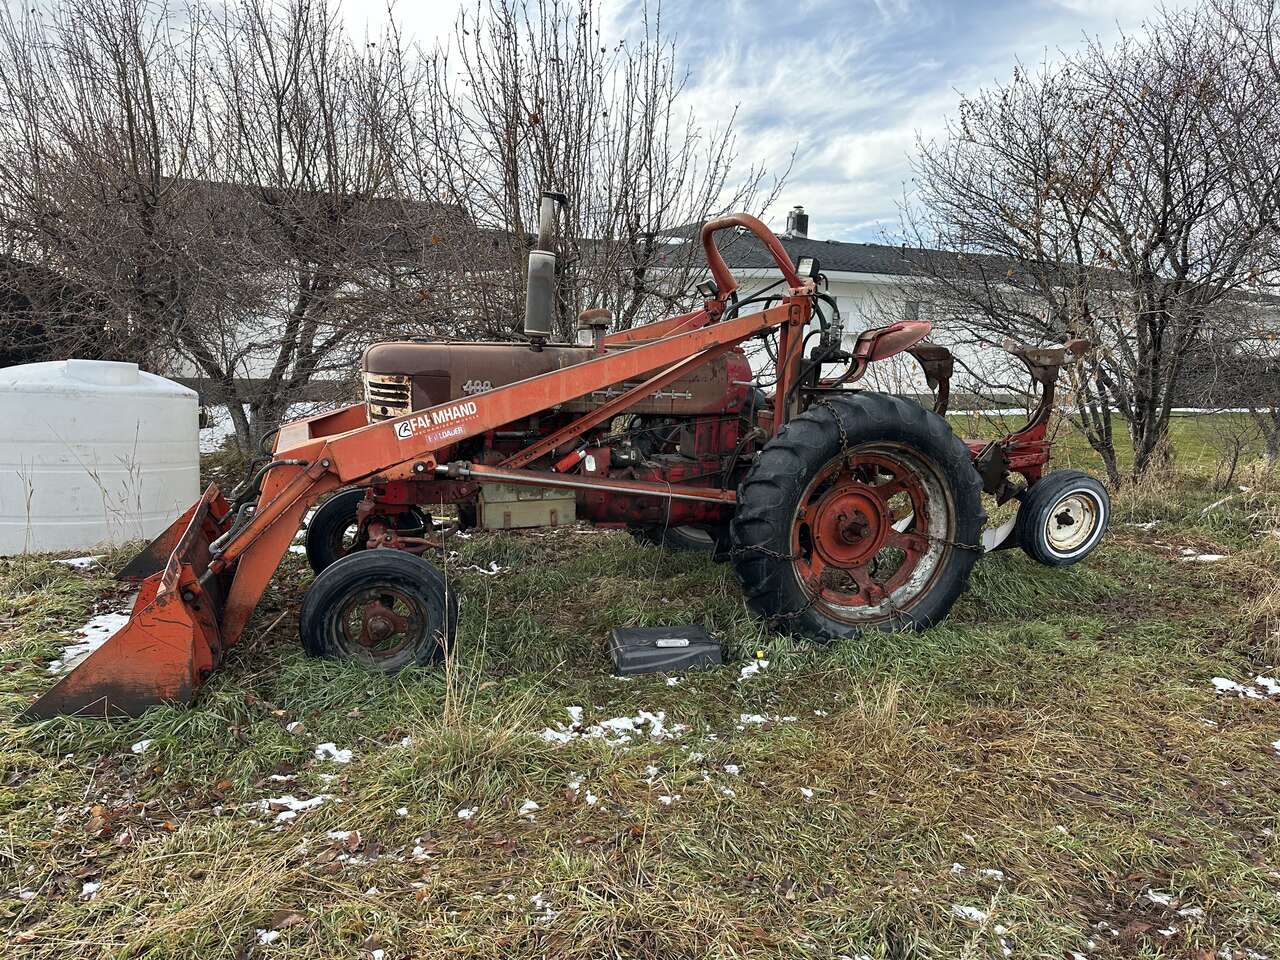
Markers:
(196, 608)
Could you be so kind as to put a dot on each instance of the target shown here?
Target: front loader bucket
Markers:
(173, 638)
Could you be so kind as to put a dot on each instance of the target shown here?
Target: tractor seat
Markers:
(1047, 356)
(881, 342)
(596, 317)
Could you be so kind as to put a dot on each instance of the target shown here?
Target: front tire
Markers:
(1062, 518)
(334, 529)
(383, 609)
(862, 513)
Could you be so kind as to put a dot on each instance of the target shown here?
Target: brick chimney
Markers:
(797, 222)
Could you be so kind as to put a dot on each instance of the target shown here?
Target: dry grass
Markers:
(1022, 778)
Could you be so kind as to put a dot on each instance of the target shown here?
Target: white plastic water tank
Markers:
(93, 452)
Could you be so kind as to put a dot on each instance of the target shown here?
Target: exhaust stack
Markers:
(540, 293)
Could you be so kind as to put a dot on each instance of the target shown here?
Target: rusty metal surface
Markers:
(171, 642)
(539, 478)
(441, 372)
(633, 401)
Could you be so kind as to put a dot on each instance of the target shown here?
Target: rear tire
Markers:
(383, 609)
(1062, 518)
(334, 530)
(862, 513)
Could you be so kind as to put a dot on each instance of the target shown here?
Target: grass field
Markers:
(1051, 773)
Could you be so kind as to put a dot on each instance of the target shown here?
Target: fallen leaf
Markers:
(284, 918)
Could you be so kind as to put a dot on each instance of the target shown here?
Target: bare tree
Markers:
(530, 96)
(98, 133)
(312, 128)
(251, 197)
(1118, 197)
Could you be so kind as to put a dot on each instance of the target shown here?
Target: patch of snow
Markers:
(289, 806)
(957, 869)
(728, 792)
(752, 668)
(732, 769)
(89, 888)
(466, 813)
(331, 751)
(402, 811)
(806, 793)
(667, 801)
(1160, 899)
(972, 914)
(142, 745)
(220, 428)
(616, 730)
(406, 741)
(1149, 525)
(96, 631)
(528, 808)
(1191, 912)
(1249, 692)
(539, 904)
(1192, 555)
(992, 874)
(1275, 745)
(673, 681)
(80, 563)
(295, 726)
(267, 936)
(490, 571)
(752, 718)
(1269, 685)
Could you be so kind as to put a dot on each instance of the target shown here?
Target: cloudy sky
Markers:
(848, 84)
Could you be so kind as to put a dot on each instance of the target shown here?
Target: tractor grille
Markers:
(388, 395)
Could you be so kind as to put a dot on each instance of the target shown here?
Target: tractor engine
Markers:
(698, 429)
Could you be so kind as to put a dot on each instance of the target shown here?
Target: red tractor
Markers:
(841, 509)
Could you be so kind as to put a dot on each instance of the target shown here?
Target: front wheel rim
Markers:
(871, 532)
(375, 624)
(1071, 524)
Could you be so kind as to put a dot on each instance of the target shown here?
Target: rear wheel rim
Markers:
(871, 532)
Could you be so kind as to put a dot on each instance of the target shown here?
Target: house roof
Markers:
(742, 252)
(832, 256)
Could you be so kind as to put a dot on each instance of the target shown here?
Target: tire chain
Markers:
(790, 615)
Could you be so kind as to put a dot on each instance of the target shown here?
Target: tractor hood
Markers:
(407, 375)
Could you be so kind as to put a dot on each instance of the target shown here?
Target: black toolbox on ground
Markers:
(662, 649)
